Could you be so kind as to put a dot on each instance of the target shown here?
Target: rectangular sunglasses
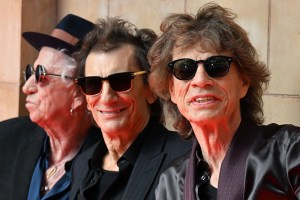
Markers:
(40, 73)
(119, 82)
(186, 68)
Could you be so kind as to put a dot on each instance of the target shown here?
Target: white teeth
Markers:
(203, 100)
(110, 112)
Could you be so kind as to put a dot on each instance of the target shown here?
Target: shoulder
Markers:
(94, 135)
(166, 141)
(283, 134)
(178, 166)
(172, 138)
(276, 151)
(16, 123)
(171, 181)
(21, 128)
(279, 142)
(173, 144)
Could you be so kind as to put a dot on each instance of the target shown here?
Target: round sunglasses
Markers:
(119, 82)
(186, 68)
(40, 73)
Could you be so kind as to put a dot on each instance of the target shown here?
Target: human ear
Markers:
(78, 99)
(171, 91)
(244, 87)
(150, 96)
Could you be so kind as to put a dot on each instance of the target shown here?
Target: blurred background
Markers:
(273, 27)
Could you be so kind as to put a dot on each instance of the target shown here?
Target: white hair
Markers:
(67, 64)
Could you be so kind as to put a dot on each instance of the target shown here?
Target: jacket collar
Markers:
(232, 173)
(148, 163)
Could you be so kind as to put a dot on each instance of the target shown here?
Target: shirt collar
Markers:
(131, 154)
(46, 156)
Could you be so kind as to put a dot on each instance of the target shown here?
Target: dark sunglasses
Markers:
(119, 82)
(186, 68)
(40, 73)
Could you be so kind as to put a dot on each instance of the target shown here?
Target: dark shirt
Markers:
(207, 192)
(60, 190)
(102, 184)
(203, 188)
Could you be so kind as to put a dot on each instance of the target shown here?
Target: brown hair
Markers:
(213, 28)
(113, 33)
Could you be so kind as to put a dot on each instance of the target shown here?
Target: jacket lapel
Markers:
(190, 176)
(26, 159)
(146, 167)
(80, 169)
(80, 165)
(232, 174)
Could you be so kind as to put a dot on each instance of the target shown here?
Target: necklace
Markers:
(52, 175)
(50, 172)
(44, 189)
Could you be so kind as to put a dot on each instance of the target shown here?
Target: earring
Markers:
(73, 112)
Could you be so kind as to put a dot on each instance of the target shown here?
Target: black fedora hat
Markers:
(68, 34)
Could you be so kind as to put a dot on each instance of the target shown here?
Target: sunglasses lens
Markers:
(217, 66)
(39, 73)
(184, 69)
(28, 72)
(90, 85)
(120, 82)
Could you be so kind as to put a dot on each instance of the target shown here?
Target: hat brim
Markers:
(39, 40)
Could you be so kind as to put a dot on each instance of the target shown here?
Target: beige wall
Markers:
(273, 28)
(10, 15)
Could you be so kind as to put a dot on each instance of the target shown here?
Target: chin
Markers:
(34, 118)
(115, 125)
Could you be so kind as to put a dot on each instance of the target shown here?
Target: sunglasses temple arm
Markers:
(138, 73)
(67, 77)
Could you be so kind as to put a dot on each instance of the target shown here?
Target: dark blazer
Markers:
(158, 150)
(262, 162)
(21, 143)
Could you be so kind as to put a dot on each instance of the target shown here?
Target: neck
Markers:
(118, 141)
(67, 138)
(214, 140)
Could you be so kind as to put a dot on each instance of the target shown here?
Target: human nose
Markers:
(108, 95)
(201, 78)
(29, 86)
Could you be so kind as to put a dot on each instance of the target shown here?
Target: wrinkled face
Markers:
(203, 99)
(118, 112)
(49, 101)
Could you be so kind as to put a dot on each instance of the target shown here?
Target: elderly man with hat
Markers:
(36, 152)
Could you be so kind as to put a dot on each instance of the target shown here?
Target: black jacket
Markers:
(21, 144)
(263, 162)
(160, 147)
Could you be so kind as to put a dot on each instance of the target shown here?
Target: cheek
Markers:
(91, 101)
(177, 91)
(45, 98)
(136, 102)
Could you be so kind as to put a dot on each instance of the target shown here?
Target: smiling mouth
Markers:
(204, 100)
(112, 112)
